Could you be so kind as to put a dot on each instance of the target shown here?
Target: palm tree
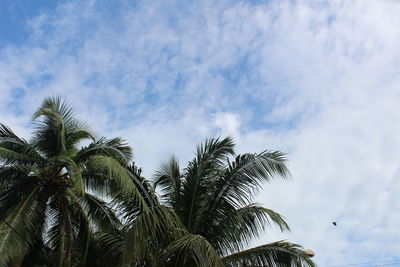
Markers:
(53, 210)
(213, 197)
(51, 190)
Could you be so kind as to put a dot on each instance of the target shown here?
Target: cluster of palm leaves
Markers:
(69, 199)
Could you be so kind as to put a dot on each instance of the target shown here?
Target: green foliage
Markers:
(273, 254)
(64, 205)
(47, 215)
(213, 197)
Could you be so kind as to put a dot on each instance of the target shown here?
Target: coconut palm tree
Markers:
(213, 198)
(51, 189)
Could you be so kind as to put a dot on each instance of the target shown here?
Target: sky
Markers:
(317, 79)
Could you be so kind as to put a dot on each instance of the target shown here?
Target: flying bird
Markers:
(334, 223)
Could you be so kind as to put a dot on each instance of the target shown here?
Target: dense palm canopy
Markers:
(49, 196)
(69, 199)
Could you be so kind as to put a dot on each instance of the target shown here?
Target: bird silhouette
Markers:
(334, 223)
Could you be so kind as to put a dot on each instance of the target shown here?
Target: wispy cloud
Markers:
(318, 79)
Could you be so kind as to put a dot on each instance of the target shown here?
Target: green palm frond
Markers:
(279, 254)
(192, 250)
(106, 249)
(9, 157)
(214, 150)
(245, 174)
(9, 140)
(207, 164)
(51, 132)
(81, 229)
(21, 226)
(236, 183)
(39, 255)
(213, 198)
(152, 226)
(12, 175)
(56, 129)
(127, 204)
(142, 184)
(168, 178)
(115, 148)
(118, 174)
(69, 230)
(81, 133)
(7, 135)
(233, 230)
(99, 213)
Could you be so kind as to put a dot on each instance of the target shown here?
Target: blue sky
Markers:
(317, 79)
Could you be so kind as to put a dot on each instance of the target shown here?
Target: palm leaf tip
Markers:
(168, 179)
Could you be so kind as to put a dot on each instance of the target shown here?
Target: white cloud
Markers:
(228, 123)
(317, 79)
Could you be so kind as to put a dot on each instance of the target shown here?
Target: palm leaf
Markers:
(232, 230)
(99, 213)
(56, 129)
(143, 185)
(192, 249)
(9, 140)
(22, 226)
(168, 177)
(279, 254)
(118, 175)
(207, 163)
(152, 226)
(115, 148)
(9, 157)
(106, 249)
(243, 176)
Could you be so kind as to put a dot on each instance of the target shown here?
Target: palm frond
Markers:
(10, 141)
(127, 204)
(81, 230)
(192, 249)
(56, 129)
(118, 174)
(199, 173)
(236, 185)
(81, 133)
(143, 185)
(279, 254)
(106, 249)
(115, 148)
(232, 230)
(99, 213)
(168, 178)
(244, 176)
(61, 233)
(12, 175)
(9, 157)
(22, 226)
(152, 226)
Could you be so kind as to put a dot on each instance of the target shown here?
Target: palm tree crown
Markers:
(213, 198)
(47, 209)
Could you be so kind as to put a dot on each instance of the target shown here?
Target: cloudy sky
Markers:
(317, 79)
